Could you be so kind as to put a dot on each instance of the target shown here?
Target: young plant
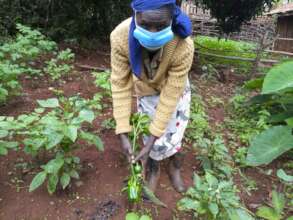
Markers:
(18, 57)
(140, 124)
(215, 157)
(275, 212)
(213, 199)
(103, 81)
(198, 126)
(55, 128)
(61, 65)
(5, 140)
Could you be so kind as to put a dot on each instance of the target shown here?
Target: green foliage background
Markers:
(66, 19)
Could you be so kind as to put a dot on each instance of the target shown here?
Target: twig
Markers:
(88, 67)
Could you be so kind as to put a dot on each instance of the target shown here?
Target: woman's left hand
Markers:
(143, 154)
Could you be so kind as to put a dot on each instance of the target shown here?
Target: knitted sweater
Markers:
(169, 81)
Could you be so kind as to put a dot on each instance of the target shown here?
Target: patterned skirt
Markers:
(171, 141)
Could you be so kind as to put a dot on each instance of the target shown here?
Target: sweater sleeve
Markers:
(174, 87)
(121, 85)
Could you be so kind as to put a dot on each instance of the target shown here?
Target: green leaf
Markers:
(53, 166)
(132, 216)
(289, 122)
(254, 84)
(283, 176)
(269, 145)
(74, 174)
(187, 204)
(3, 151)
(145, 217)
(3, 133)
(267, 213)
(71, 132)
(87, 115)
(214, 209)
(279, 78)
(278, 201)
(212, 181)
(92, 139)
(65, 180)
(39, 110)
(38, 180)
(153, 197)
(52, 183)
(49, 103)
(290, 218)
(11, 145)
(53, 140)
(239, 214)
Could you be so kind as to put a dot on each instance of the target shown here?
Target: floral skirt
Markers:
(171, 141)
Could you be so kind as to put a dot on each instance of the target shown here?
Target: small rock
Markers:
(52, 203)
(78, 211)
(78, 183)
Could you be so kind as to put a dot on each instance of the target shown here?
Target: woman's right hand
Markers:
(126, 147)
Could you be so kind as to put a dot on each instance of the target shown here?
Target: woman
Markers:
(151, 55)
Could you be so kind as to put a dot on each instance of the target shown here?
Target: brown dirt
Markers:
(98, 194)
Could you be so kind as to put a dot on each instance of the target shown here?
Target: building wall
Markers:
(285, 30)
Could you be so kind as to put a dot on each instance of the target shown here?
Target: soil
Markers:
(98, 196)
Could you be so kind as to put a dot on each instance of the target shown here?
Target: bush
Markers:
(67, 19)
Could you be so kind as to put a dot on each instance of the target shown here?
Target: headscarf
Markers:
(181, 25)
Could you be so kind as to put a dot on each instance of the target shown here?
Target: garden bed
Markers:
(97, 195)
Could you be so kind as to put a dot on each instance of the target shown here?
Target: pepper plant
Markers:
(140, 124)
(54, 128)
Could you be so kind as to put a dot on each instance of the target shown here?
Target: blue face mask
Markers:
(153, 40)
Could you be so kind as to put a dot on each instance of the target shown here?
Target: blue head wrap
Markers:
(181, 26)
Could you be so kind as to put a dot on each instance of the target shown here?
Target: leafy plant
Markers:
(134, 189)
(245, 121)
(18, 57)
(26, 55)
(213, 199)
(102, 80)
(277, 96)
(240, 156)
(198, 126)
(54, 128)
(6, 143)
(215, 157)
(61, 65)
(276, 211)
